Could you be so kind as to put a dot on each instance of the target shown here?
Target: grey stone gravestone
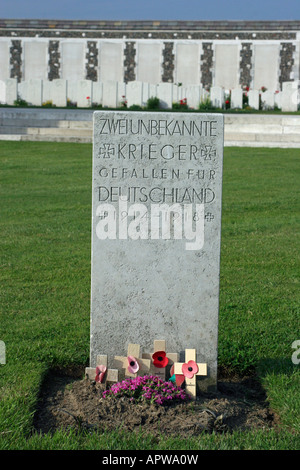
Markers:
(156, 230)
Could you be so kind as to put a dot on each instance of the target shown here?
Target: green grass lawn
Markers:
(45, 288)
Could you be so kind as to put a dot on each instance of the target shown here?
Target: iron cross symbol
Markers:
(190, 369)
(106, 151)
(207, 151)
(209, 217)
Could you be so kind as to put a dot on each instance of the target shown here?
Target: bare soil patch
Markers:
(68, 401)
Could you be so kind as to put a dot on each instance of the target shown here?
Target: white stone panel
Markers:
(72, 90)
(4, 59)
(35, 60)
(193, 94)
(97, 92)
(290, 85)
(277, 99)
(266, 66)
(134, 93)
(237, 98)
(84, 93)
(165, 95)
(80, 92)
(148, 60)
(152, 90)
(187, 63)
(290, 97)
(268, 100)
(149, 91)
(110, 61)
(121, 93)
(72, 60)
(204, 95)
(178, 92)
(110, 94)
(56, 91)
(2, 92)
(31, 91)
(11, 85)
(227, 63)
(253, 99)
(217, 96)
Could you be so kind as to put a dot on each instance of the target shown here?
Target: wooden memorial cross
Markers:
(190, 369)
(160, 346)
(133, 364)
(100, 373)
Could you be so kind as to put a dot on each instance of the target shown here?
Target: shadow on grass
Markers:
(276, 367)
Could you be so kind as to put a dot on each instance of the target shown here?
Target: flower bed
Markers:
(148, 388)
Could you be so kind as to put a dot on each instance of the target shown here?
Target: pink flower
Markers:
(190, 369)
(100, 373)
(133, 365)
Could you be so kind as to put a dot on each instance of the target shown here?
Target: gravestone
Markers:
(165, 95)
(56, 91)
(236, 98)
(83, 93)
(8, 91)
(290, 96)
(268, 100)
(217, 96)
(134, 93)
(156, 230)
(97, 93)
(110, 94)
(31, 91)
(193, 95)
(253, 96)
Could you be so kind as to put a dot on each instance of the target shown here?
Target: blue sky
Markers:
(152, 9)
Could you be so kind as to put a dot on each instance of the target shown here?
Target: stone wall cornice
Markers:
(150, 26)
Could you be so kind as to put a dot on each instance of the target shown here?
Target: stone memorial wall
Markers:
(225, 53)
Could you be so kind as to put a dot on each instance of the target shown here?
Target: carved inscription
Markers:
(158, 127)
(150, 162)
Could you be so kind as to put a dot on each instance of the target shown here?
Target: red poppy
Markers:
(190, 369)
(160, 359)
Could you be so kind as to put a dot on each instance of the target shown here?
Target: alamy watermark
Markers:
(162, 221)
(296, 354)
(2, 353)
